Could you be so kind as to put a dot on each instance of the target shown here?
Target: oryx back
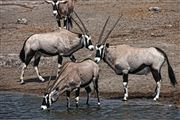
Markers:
(79, 74)
(52, 43)
(87, 70)
(135, 60)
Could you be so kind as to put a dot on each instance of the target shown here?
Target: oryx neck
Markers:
(108, 59)
(75, 47)
(57, 83)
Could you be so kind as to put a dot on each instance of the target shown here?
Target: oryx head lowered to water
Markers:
(73, 76)
(63, 9)
(125, 59)
(48, 99)
(62, 43)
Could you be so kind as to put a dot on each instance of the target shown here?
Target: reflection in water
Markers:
(23, 106)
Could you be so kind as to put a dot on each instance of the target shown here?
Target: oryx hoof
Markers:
(22, 82)
(124, 99)
(42, 79)
(99, 104)
(156, 99)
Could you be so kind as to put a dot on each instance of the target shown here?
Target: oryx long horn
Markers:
(56, 84)
(100, 37)
(64, 67)
(48, 1)
(81, 22)
(78, 25)
(110, 31)
(48, 84)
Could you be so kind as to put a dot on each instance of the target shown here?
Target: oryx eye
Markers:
(98, 46)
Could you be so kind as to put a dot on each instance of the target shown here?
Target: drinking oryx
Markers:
(62, 43)
(73, 76)
(124, 60)
(63, 9)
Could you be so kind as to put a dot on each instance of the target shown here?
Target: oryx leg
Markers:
(59, 22)
(22, 73)
(65, 23)
(125, 85)
(88, 91)
(68, 99)
(77, 97)
(157, 77)
(36, 63)
(27, 61)
(72, 58)
(60, 59)
(97, 91)
(70, 21)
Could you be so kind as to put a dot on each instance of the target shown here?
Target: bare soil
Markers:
(138, 27)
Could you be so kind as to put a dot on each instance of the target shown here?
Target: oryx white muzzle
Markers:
(43, 107)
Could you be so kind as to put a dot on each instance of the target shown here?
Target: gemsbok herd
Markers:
(74, 75)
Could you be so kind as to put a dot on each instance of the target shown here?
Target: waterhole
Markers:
(25, 106)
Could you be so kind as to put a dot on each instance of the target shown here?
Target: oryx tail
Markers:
(170, 70)
(22, 52)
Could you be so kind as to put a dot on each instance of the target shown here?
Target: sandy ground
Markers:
(138, 27)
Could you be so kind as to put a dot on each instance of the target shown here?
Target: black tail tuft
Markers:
(170, 70)
(22, 55)
(22, 52)
(171, 75)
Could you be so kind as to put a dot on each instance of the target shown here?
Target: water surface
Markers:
(24, 106)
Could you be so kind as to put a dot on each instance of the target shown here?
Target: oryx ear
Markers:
(63, 1)
(48, 1)
(57, 89)
(107, 45)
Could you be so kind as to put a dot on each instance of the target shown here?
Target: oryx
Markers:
(73, 76)
(125, 59)
(62, 43)
(63, 9)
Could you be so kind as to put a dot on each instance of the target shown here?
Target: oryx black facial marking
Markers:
(46, 103)
(99, 52)
(55, 5)
(87, 42)
(50, 98)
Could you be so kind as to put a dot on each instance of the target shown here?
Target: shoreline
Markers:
(164, 97)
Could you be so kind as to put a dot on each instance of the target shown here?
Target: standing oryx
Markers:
(73, 76)
(62, 43)
(124, 60)
(63, 9)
